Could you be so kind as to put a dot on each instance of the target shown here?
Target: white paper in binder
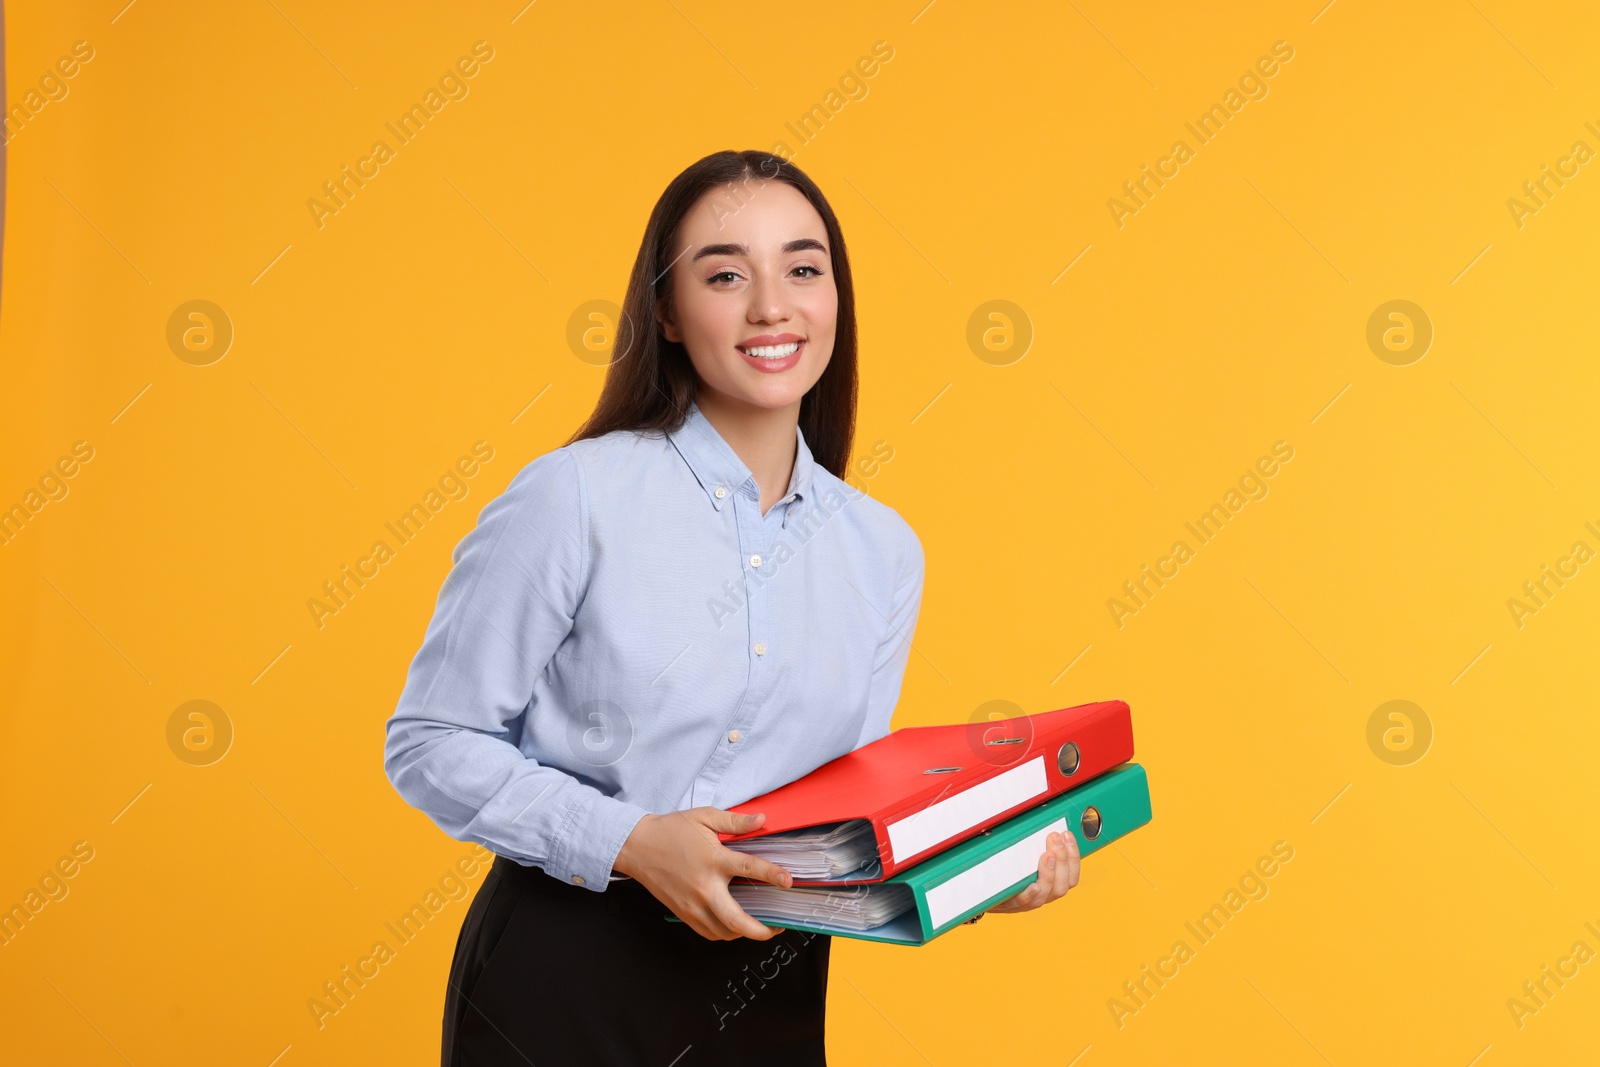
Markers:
(862, 907)
(817, 851)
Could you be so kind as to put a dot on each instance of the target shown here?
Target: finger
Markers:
(716, 921)
(1074, 861)
(755, 929)
(1050, 868)
(1061, 870)
(1028, 899)
(1058, 867)
(1047, 873)
(711, 926)
(1037, 892)
(728, 822)
(1034, 894)
(738, 921)
(748, 866)
(701, 922)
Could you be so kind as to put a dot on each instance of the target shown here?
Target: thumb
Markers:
(728, 822)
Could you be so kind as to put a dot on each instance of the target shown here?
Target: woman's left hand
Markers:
(1058, 872)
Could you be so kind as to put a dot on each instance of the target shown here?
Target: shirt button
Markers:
(761, 648)
(755, 561)
(577, 879)
(734, 735)
(721, 492)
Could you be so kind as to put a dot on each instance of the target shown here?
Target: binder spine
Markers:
(1061, 760)
(953, 898)
(1096, 813)
(971, 807)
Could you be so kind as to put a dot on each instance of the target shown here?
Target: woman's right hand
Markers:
(679, 858)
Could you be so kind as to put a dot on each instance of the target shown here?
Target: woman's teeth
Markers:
(773, 351)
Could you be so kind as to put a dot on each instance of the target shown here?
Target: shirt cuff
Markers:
(596, 827)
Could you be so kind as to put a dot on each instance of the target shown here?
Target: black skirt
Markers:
(555, 974)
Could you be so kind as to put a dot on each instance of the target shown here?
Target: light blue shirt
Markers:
(624, 632)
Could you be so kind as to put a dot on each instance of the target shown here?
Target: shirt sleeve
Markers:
(451, 745)
(889, 665)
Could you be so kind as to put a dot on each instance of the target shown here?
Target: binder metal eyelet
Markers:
(940, 770)
(1067, 759)
(1091, 823)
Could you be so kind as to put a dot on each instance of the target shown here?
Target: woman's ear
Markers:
(664, 318)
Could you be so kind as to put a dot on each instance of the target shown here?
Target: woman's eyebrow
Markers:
(796, 245)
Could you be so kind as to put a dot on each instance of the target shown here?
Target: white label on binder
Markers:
(983, 880)
(941, 821)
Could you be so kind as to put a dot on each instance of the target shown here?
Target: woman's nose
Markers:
(767, 301)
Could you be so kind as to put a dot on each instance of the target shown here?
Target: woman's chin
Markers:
(772, 392)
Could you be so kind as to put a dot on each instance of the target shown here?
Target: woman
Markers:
(679, 609)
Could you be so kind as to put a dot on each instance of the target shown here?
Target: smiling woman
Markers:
(741, 252)
(576, 709)
(728, 297)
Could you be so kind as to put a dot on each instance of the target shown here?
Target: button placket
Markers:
(749, 524)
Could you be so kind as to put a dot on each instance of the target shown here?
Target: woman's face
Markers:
(754, 302)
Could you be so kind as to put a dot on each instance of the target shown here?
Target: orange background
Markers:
(1230, 312)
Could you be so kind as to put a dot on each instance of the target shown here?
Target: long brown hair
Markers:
(651, 380)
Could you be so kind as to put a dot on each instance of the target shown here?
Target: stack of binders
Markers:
(918, 831)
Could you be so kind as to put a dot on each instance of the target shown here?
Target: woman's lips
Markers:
(775, 366)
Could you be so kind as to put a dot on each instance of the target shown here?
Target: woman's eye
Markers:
(730, 276)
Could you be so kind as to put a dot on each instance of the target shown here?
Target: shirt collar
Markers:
(718, 467)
